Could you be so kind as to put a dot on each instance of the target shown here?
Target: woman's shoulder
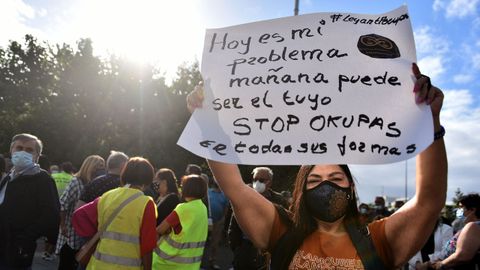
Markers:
(171, 198)
(471, 227)
(75, 184)
(285, 216)
(377, 226)
(76, 180)
(281, 224)
(379, 239)
(168, 200)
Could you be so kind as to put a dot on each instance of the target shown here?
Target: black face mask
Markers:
(328, 201)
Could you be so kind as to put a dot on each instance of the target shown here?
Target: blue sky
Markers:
(167, 33)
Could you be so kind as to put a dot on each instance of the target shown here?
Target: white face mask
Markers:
(22, 160)
(259, 186)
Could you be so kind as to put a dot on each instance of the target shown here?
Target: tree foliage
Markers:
(79, 104)
(458, 196)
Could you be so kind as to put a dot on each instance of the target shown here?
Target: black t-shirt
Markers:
(98, 186)
(166, 206)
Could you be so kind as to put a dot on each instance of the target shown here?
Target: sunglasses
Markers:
(156, 185)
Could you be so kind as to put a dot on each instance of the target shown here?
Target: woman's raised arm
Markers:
(254, 213)
(408, 228)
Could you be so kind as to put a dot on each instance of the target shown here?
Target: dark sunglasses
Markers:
(156, 185)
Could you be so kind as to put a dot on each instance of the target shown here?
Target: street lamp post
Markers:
(406, 180)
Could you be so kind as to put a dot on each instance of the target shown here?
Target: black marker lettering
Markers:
(411, 148)
(239, 123)
(395, 131)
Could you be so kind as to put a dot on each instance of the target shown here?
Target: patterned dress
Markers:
(451, 245)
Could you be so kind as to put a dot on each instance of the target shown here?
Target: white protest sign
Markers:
(310, 89)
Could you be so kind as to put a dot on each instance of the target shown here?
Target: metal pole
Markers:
(406, 180)
(295, 11)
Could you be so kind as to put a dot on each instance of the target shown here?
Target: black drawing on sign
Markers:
(377, 46)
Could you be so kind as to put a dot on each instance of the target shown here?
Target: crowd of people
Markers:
(172, 223)
(145, 218)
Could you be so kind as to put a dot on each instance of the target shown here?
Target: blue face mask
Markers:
(22, 160)
(460, 214)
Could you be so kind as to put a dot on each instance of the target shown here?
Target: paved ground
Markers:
(40, 264)
(224, 259)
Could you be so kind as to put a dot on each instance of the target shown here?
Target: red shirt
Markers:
(85, 223)
(174, 221)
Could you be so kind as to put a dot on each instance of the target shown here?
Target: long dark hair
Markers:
(302, 222)
(168, 175)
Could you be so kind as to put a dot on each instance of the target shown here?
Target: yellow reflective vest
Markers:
(119, 245)
(184, 250)
(61, 181)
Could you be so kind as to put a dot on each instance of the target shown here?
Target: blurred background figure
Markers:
(184, 232)
(379, 208)
(462, 250)
(115, 163)
(193, 169)
(190, 169)
(364, 212)
(165, 184)
(63, 177)
(245, 254)
(287, 195)
(218, 206)
(29, 207)
(459, 221)
(68, 243)
(128, 241)
(44, 163)
(3, 167)
(54, 169)
(434, 248)
(397, 204)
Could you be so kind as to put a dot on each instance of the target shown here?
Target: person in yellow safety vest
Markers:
(128, 242)
(63, 178)
(184, 232)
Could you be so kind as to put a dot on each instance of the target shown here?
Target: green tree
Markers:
(80, 104)
(188, 76)
(458, 196)
(26, 72)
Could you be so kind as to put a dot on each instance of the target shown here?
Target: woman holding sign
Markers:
(322, 228)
